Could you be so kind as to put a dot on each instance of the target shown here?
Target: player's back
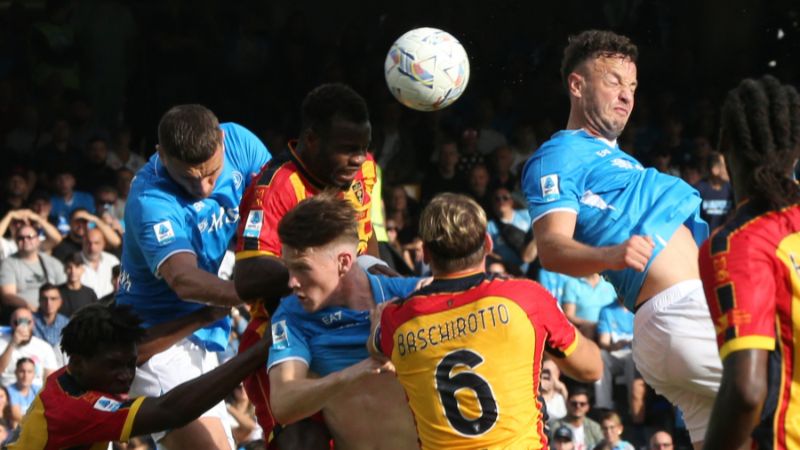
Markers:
(751, 272)
(468, 354)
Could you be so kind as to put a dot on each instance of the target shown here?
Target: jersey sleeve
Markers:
(551, 182)
(740, 291)
(395, 287)
(288, 340)
(103, 419)
(264, 207)
(159, 229)
(562, 337)
(252, 153)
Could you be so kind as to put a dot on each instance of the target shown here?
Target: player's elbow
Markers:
(751, 392)
(282, 411)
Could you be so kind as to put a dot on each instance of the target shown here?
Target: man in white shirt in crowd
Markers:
(22, 343)
(98, 264)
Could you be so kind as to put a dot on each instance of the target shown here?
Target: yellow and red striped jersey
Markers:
(468, 352)
(751, 275)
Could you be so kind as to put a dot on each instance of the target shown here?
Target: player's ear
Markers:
(488, 245)
(160, 151)
(310, 138)
(345, 260)
(575, 84)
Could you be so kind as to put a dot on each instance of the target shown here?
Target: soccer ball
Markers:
(426, 69)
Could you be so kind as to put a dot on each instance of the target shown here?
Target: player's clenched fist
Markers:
(633, 253)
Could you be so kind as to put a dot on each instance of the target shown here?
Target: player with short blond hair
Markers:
(451, 341)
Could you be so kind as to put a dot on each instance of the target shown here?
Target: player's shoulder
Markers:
(276, 173)
(752, 227)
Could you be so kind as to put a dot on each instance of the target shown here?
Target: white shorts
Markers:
(182, 362)
(675, 349)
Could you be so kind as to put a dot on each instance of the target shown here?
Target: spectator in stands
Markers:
(22, 392)
(553, 391)
(716, 192)
(79, 222)
(502, 174)
(612, 428)
(496, 266)
(584, 297)
(121, 154)
(469, 154)
(442, 176)
(74, 294)
(115, 272)
(123, 185)
(47, 321)
(98, 264)
(489, 138)
(21, 142)
(586, 433)
(105, 203)
(15, 191)
(510, 230)
(24, 272)
(562, 439)
(661, 440)
(523, 145)
(614, 336)
(244, 426)
(404, 211)
(67, 199)
(94, 170)
(554, 282)
(59, 152)
(23, 344)
(5, 411)
(14, 220)
(478, 187)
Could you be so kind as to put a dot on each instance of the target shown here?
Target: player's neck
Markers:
(354, 291)
(472, 270)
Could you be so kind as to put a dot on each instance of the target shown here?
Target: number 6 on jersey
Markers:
(448, 384)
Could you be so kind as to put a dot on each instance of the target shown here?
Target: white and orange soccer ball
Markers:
(426, 69)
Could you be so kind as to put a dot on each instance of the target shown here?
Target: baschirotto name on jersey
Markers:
(454, 328)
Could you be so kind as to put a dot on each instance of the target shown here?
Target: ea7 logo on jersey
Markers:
(106, 404)
(254, 222)
(331, 318)
(280, 337)
(164, 232)
(550, 191)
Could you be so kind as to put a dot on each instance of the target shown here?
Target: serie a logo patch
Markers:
(106, 404)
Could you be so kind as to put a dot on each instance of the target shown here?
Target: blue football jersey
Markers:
(613, 196)
(333, 338)
(162, 220)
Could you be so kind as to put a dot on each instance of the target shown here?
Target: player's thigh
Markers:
(307, 434)
(203, 433)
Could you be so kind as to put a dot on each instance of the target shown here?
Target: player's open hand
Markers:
(633, 253)
(367, 367)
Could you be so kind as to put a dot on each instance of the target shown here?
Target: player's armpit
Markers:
(583, 363)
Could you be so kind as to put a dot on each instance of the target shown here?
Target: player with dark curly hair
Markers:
(86, 403)
(597, 209)
(751, 271)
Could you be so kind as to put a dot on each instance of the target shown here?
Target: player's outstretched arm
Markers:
(584, 363)
(739, 400)
(261, 277)
(187, 401)
(162, 336)
(192, 283)
(294, 396)
(560, 252)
